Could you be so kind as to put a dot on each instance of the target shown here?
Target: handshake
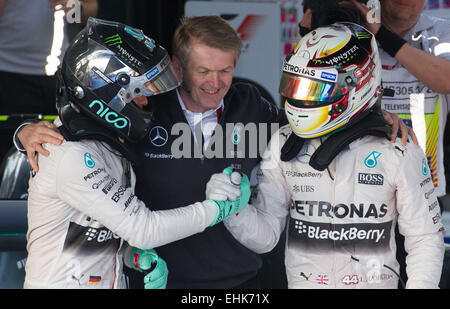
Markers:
(230, 191)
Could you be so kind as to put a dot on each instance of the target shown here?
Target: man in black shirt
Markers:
(175, 164)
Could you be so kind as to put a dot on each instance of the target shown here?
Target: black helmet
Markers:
(105, 67)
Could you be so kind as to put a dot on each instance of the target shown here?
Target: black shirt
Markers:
(212, 259)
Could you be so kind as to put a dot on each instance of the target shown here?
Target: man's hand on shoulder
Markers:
(33, 135)
(397, 125)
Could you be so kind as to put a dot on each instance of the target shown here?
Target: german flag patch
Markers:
(94, 280)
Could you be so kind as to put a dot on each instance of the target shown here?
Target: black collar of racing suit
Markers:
(87, 129)
(371, 124)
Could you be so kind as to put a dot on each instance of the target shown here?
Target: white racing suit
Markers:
(78, 204)
(341, 222)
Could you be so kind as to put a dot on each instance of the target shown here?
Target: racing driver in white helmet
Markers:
(333, 175)
(84, 219)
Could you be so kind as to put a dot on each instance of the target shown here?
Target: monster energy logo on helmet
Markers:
(113, 40)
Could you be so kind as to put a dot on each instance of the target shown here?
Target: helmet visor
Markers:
(165, 80)
(309, 92)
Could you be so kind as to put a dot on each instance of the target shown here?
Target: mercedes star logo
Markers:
(305, 154)
(158, 136)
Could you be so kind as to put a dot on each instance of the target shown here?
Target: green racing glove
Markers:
(155, 268)
(228, 208)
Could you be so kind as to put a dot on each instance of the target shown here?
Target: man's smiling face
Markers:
(207, 76)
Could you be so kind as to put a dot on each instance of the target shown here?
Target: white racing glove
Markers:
(230, 193)
(222, 187)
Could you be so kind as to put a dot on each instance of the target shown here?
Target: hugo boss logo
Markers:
(370, 179)
(108, 115)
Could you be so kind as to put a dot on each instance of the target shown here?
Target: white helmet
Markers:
(330, 79)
